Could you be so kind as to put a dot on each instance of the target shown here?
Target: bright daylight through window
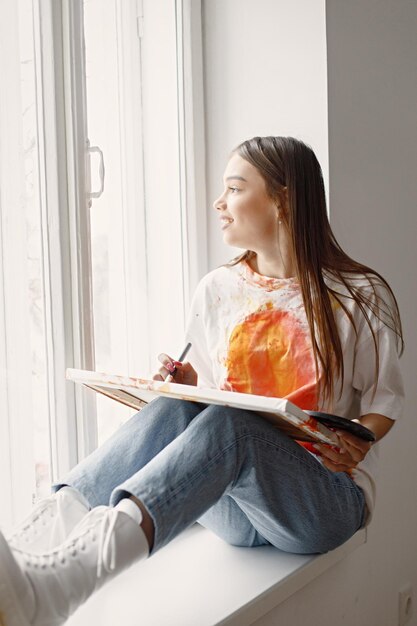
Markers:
(24, 393)
(93, 115)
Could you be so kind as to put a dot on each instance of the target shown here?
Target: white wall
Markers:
(265, 74)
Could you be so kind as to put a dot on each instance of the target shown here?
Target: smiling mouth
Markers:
(225, 222)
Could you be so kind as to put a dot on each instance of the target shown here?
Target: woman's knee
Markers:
(168, 410)
(226, 424)
(223, 418)
(242, 536)
(229, 522)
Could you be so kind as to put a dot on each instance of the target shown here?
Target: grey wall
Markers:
(369, 126)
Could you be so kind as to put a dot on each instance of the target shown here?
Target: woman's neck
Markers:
(273, 267)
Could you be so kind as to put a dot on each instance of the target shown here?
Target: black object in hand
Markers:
(341, 423)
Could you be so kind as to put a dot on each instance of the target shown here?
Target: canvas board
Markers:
(137, 392)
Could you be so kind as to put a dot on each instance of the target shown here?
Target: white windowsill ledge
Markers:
(199, 579)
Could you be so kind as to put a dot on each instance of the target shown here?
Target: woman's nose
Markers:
(219, 205)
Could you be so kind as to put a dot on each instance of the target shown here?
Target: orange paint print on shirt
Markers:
(270, 354)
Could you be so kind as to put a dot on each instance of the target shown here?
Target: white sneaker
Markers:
(44, 590)
(50, 522)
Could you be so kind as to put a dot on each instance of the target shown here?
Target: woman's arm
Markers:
(352, 449)
(380, 396)
(379, 424)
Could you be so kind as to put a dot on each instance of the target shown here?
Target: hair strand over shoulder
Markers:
(293, 175)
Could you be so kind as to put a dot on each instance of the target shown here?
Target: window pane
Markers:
(24, 401)
(138, 240)
(34, 287)
(117, 218)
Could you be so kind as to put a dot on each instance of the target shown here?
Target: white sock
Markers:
(130, 508)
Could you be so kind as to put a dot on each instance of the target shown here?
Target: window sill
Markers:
(199, 579)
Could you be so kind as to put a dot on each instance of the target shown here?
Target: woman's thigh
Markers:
(279, 493)
(291, 499)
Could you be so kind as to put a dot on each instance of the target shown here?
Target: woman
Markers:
(293, 316)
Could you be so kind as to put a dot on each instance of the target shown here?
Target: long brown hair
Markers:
(293, 176)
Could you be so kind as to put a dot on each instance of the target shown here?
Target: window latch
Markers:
(101, 171)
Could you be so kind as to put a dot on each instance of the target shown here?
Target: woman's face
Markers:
(248, 216)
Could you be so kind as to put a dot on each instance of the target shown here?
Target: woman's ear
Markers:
(283, 201)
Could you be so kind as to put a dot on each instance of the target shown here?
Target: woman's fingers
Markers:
(354, 443)
(336, 455)
(182, 372)
(334, 460)
(167, 362)
(168, 367)
(336, 467)
(357, 448)
(352, 451)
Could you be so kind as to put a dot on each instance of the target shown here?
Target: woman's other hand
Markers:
(352, 451)
(183, 373)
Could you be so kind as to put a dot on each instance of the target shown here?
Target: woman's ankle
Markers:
(147, 523)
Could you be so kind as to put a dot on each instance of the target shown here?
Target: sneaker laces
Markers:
(106, 548)
(107, 544)
(38, 514)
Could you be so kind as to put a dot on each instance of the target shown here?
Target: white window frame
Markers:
(68, 20)
(65, 225)
(189, 108)
(65, 237)
(191, 133)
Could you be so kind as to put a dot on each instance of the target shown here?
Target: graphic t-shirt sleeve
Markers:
(196, 334)
(388, 397)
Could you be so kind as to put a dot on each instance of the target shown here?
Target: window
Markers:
(24, 388)
(117, 212)
(139, 225)
(97, 262)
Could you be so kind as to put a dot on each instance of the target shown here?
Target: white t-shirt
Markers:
(249, 333)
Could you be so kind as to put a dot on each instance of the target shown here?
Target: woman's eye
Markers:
(233, 189)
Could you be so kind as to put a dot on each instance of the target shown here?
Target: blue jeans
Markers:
(228, 469)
